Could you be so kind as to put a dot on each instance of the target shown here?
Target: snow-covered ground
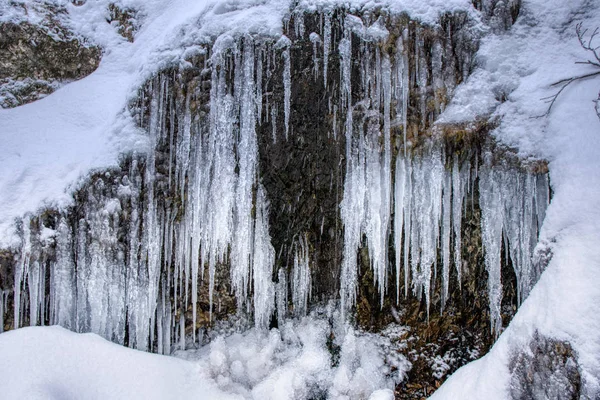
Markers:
(292, 363)
(565, 304)
(54, 363)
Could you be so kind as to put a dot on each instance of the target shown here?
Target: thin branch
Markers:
(588, 45)
(565, 83)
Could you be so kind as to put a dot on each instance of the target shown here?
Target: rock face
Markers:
(549, 370)
(264, 155)
(36, 59)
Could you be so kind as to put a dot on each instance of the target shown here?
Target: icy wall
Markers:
(272, 163)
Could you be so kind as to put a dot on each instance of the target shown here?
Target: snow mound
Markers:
(54, 363)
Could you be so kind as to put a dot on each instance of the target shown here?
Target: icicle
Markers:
(299, 24)
(259, 82)
(402, 89)
(460, 178)
(315, 40)
(421, 74)
(274, 123)
(446, 230)
(407, 221)
(63, 279)
(437, 77)
(326, 45)
(241, 257)
(3, 303)
(22, 269)
(264, 259)
(492, 216)
(181, 332)
(399, 210)
(301, 280)
(287, 89)
(281, 297)
(366, 206)
(352, 206)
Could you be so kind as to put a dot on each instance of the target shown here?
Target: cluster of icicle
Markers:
(429, 195)
(421, 206)
(142, 282)
(145, 285)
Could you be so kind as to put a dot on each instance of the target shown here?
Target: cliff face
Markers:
(284, 172)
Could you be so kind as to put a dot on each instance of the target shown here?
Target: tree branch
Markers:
(588, 45)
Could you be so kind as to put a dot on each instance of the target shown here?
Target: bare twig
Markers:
(588, 45)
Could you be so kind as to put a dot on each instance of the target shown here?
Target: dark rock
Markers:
(35, 59)
(546, 370)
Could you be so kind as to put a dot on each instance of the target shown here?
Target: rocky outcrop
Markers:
(37, 58)
(548, 369)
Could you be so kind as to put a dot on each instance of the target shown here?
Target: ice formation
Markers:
(429, 186)
(126, 279)
(301, 278)
(512, 207)
(132, 261)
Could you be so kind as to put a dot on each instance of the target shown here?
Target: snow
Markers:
(565, 303)
(297, 361)
(292, 363)
(54, 363)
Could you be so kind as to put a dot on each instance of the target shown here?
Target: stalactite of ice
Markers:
(281, 296)
(437, 75)
(446, 232)
(460, 179)
(274, 123)
(366, 205)
(427, 185)
(21, 270)
(260, 51)
(3, 307)
(399, 203)
(492, 210)
(326, 45)
(241, 257)
(402, 86)
(263, 261)
(421, 74)
(509, 208)
(301, 278)
(287, 90)
(315, 40)
(299, 24)
(62, 279)
(352, 206)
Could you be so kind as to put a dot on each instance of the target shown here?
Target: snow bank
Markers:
(308, 358)
(54, 363)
